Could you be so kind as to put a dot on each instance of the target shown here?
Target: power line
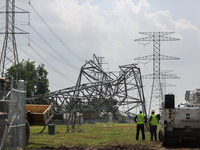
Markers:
(25, 1)
(58, 38)
(63, 28)
(4, 6)
(64, 76)
(55, 85)
(48, 64)
(53, 56)
(66, 61)
(51, 47)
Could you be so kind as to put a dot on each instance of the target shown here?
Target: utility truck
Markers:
(182, 123)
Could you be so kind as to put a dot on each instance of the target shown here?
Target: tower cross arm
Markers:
(162, 57)
(156, 33)
(163, 76)
(149, 57)
(157, 38)
(169, 76)
(162, 38)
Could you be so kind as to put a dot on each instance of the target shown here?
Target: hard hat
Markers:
(140, 110)
(153, 111)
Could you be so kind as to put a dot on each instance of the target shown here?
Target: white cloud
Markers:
(88, 29)
(110, 33)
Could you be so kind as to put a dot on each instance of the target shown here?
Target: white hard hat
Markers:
(140, 110)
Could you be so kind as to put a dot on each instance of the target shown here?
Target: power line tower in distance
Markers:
(156, 92)
(9, 54)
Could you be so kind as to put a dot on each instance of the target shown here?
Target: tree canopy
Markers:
(36, 77)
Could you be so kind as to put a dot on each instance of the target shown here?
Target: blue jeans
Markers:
(153, 130)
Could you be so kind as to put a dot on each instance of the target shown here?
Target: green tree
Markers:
(36, 78)
(42, 83)
(121, 118)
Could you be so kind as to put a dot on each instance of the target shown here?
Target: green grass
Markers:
(97, 135)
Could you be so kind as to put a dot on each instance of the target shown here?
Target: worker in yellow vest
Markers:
(140, 119)
(153, 121)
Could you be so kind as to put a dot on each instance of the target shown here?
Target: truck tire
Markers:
(165, 143)
(2, 128)
(175, 143)
(160, 136)
(27, 132)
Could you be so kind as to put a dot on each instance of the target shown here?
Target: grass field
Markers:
(97, 135)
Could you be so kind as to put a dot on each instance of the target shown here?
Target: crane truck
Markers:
(182, 123)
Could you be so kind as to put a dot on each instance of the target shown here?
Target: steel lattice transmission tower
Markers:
(9, 54)
(165, 74)
(156, 92)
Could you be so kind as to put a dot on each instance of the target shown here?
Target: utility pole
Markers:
(9, 54)
(156, 92)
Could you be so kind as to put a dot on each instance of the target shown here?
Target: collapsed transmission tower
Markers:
(156, 92)
(96, 90)
(9, 55)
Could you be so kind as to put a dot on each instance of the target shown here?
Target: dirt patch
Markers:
(148, 146)
(117, 147)
(129, 147)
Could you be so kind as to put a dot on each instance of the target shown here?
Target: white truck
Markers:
(182, 123)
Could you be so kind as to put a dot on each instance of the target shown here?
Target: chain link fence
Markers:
(14, 137)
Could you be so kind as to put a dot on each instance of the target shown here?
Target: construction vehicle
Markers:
(35, 114)
(180, 124)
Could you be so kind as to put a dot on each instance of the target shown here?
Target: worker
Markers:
(153, 121)
(140, 119)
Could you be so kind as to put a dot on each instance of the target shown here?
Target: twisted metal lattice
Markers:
(98, 90)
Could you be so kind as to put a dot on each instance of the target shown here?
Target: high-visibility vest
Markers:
(140, 119)
(153, 120)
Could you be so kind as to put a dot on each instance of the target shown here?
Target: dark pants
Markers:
(153, 130)
(140, 127)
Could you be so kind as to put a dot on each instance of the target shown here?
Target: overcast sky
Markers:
(108, 29)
